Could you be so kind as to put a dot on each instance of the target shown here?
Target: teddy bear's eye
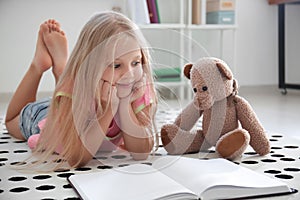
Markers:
(204, 88)
(195, 90)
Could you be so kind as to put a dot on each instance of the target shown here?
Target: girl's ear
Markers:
(187, 70)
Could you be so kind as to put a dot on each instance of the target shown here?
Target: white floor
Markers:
(278, 113)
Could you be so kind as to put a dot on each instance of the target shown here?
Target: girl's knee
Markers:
(13, 129)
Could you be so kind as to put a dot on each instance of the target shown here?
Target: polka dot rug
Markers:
(282, 163)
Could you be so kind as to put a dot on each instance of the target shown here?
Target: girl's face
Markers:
(126, 68)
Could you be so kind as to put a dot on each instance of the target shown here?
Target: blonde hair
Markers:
(67, 121)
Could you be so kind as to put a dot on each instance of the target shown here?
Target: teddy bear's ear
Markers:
(187, 70)
(224, 70)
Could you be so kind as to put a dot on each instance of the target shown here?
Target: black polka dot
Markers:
(250, 153)
(277, 136)
(3, 142)
(67, 186)
(123, 165)
(291, 169)
(47, 199)
(2, 152)
(277, 155)
(5, 137)
(250, 162)
(101, 157)
(1, 191)
(19, 189)
(19, 141)
(104, 167)
(72, 198)
(276, 148)
(83, 169)
(62, 170)
(118, 156)
(41, 177)
(45, 187)
(147, 163)
(273, 140)
(65, 175)
(287, 159)
(284, 176)
(208, 151)
(17, 178)
(58, 161)
(272, 171)
(3, 159)
(291, 147)
(18, 163)
(20, 151)
(268, 160)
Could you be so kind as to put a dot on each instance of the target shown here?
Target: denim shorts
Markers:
(31, 115)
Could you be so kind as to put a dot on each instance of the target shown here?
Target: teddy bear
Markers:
(228, 121)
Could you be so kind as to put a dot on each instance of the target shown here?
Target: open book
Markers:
(177, 178)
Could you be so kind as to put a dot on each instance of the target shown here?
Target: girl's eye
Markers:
(136, 63)
(117, 66)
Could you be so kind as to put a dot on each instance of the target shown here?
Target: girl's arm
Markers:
(137, 138)
(80, 148)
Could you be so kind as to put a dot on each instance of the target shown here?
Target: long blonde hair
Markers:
(68, 119)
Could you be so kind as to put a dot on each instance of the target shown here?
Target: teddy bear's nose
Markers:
(195, 90)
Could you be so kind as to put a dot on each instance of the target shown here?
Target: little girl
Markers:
(104, 94)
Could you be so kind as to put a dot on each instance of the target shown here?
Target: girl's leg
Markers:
(27, 89)
(57, 45)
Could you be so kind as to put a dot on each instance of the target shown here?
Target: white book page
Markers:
(132, 182)
(198, 175)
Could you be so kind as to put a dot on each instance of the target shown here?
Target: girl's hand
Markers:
(139, 88)
(109, 98)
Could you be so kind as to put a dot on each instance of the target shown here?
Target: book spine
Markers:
(138, 11)
(152, 11)
(157, 11)
(196, 12)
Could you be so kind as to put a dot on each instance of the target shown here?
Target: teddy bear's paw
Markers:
(178, 141)
(233, 144)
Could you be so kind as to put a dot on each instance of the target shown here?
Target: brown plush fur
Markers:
(229, 123)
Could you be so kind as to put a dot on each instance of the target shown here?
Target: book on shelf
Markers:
(138, 11)
(153, 11)
(172, 177)
(165, 74)
(220, 5)
(196, 12)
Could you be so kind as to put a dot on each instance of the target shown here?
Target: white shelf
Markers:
(161, 26)
(191, 26)
(177, 14)
(212, 27)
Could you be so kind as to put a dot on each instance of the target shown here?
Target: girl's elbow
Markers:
(143, 152)
(140, 156)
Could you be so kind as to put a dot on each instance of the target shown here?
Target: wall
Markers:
(256, 37)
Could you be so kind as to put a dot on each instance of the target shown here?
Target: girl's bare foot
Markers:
(42, 60)
(57, 45)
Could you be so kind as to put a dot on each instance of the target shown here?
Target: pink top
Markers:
(113, 135)
(112, 141)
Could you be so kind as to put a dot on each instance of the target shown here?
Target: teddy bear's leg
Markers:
(178, 141)
(233, 144)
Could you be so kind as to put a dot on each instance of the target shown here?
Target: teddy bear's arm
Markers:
(188, 117)
(250, 122)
